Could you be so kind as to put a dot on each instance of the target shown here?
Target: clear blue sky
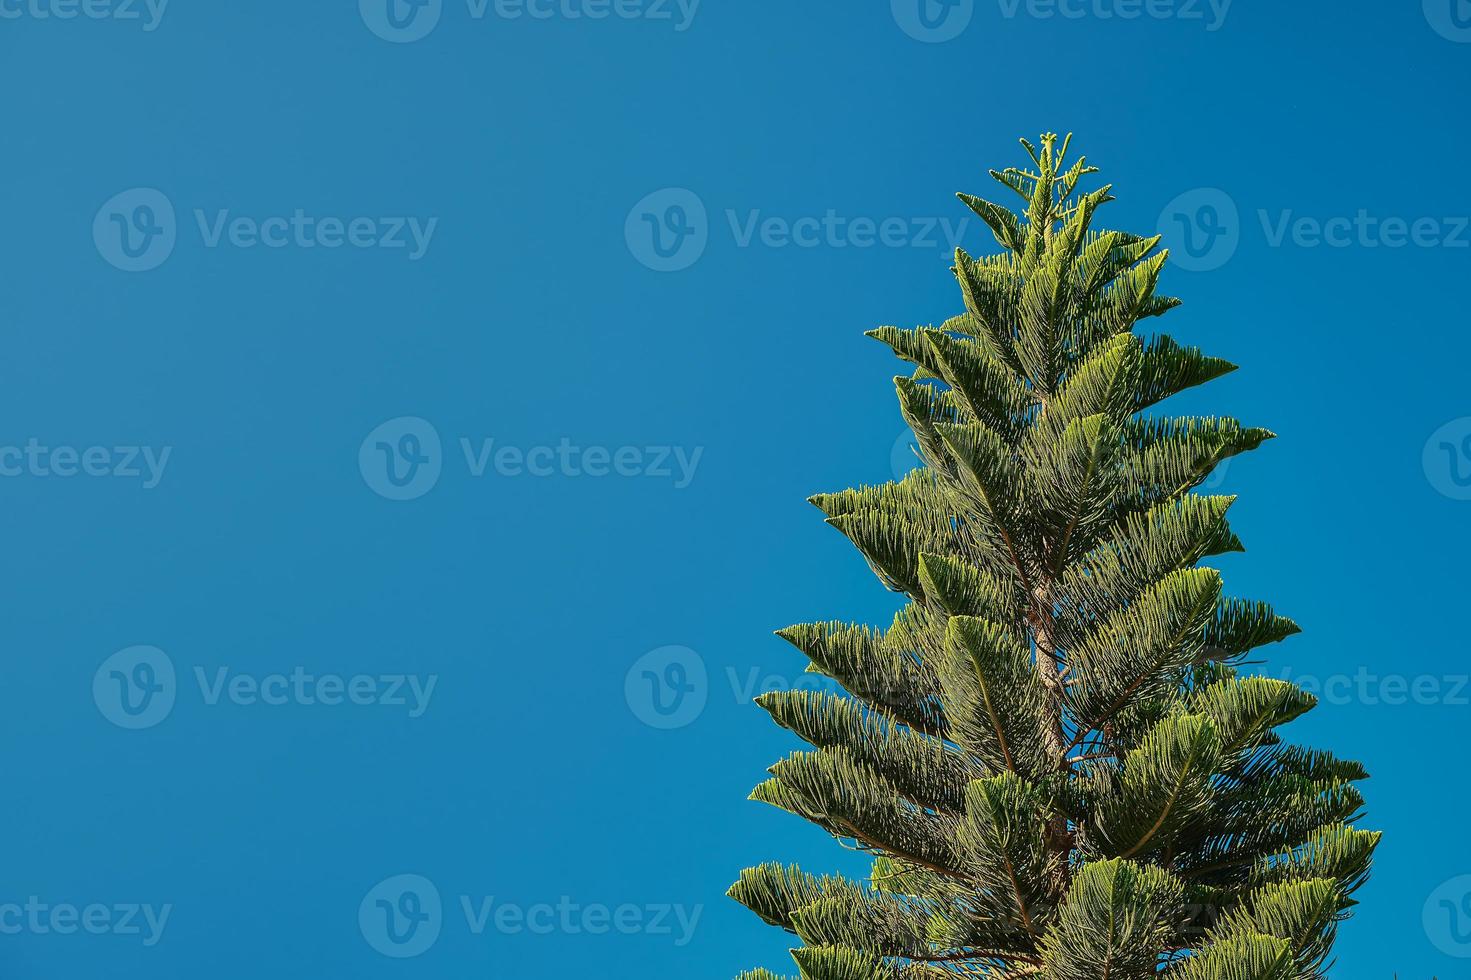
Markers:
(240, 238)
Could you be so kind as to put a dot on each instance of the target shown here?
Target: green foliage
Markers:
(1049, 751)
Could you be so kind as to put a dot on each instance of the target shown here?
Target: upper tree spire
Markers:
(1049, 752)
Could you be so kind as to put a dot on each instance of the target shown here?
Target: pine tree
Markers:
(1051, 753)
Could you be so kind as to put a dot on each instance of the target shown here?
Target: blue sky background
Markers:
(537, 316)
